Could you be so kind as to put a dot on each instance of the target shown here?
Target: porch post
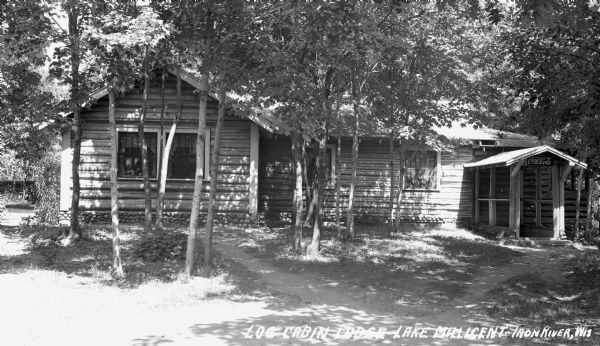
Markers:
(538, 196)
(476, 198)
(66, 182)
(253, 177)
(514, 210)
(519, 204)
(564, 173)
(492, 196)
(556, 201)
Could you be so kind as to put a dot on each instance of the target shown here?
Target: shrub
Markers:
(46, 176)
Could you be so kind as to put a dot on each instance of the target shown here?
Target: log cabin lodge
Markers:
(487, 178)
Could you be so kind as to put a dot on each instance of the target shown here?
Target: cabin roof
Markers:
(258, 118)
(267, 119)
(500, 137)
(512, 157)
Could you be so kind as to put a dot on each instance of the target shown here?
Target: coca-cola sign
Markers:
(539, 161)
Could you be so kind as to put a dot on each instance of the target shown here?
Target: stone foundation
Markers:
(251, 220)
(370, 219)
(129, 217)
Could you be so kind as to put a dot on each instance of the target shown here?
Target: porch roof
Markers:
(509, 158)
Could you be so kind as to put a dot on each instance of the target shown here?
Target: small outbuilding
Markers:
(525, 190)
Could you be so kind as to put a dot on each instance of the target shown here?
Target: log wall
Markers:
(233, 168)
(450, 202)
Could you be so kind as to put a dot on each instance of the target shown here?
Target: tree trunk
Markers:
(338, 183)
(164, 164)
(578, 202)
(114, 193)
(214, 161)
(193, 229)
(308, 187)
(392, 184)
(158, 219)
(400, 184)
(350, 212)
(297, 145)
(310, 214)
(144, 152)
(74, 229)
(318, 193)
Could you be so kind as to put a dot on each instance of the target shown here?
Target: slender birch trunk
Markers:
(196, 200)
(338, 183)
(350, 213)
(214, 161)
(392, 184)
(159, 210)
(114, 192)
(74, 229)
(164, 167)
(144, 154)
(297, 144)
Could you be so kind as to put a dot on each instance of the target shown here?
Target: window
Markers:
(130, 154)
(421, 169)
(182, 158)
(329, 161)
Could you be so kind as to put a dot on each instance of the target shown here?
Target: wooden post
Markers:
(492, 195)
(538, 196)
(564, 173)
(514, 210)
(476, 198)
(253, 177)
(66, 183)
(518, 204)
(556, 201)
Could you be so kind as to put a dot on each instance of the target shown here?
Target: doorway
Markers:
(536, 202)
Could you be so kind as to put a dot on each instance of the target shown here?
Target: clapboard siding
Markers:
(451, 201)
(233, 166)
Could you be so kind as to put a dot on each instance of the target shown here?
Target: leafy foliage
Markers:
(555, 59)
(46, 176)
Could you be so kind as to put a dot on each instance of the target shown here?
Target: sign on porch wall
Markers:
(539, 161)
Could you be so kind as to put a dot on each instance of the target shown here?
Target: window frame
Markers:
(207, 151)
(438, 178)
(134, 129)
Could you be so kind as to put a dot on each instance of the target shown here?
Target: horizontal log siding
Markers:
(451, 201)
(233, 168)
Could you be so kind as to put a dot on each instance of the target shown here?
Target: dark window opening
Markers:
(182, 158)
(130, 154)
(420, 170)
